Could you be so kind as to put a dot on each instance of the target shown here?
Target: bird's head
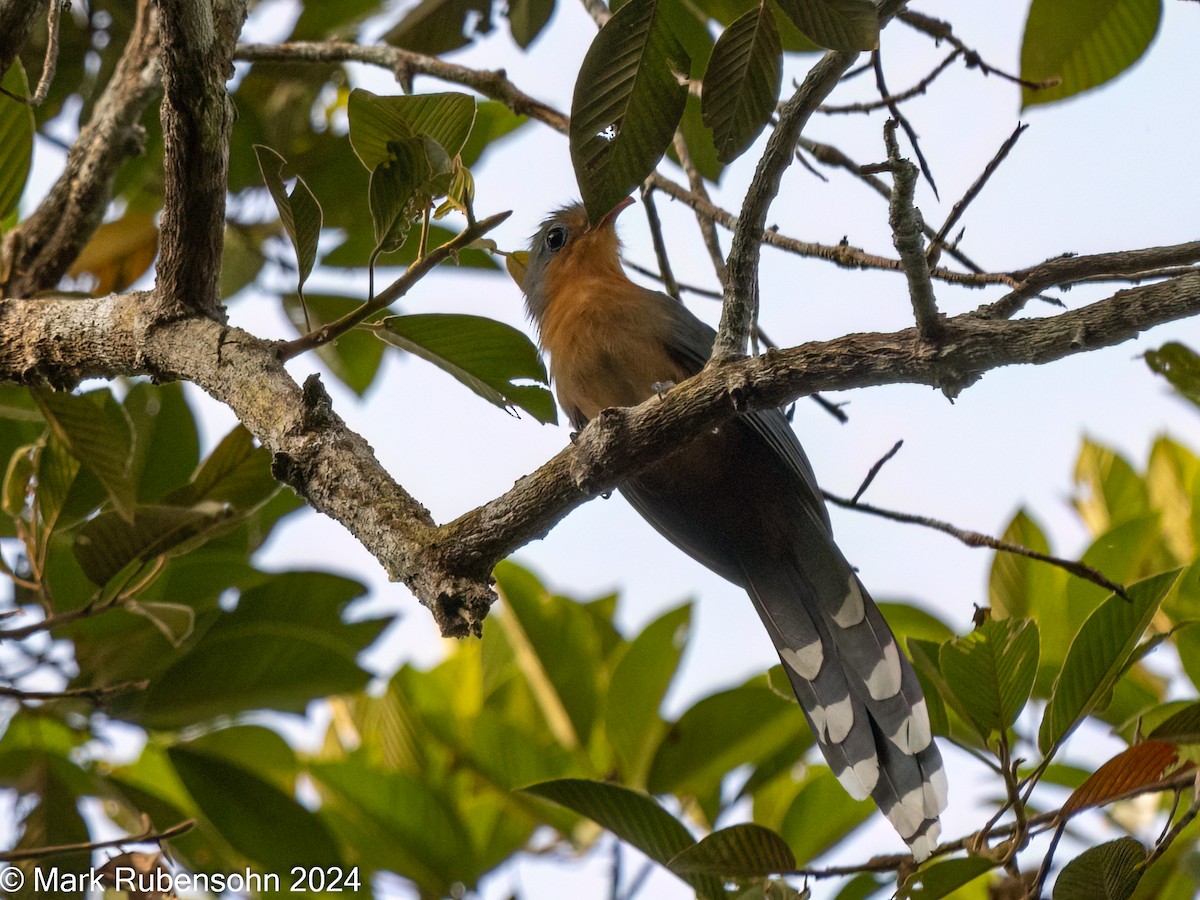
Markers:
(568, 247)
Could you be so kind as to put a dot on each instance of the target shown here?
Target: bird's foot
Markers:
(660, 388)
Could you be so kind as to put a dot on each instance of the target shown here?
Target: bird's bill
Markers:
(611, 216)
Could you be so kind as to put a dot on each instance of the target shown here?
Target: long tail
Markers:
(858, 691)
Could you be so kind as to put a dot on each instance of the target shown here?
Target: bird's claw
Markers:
(660, 388)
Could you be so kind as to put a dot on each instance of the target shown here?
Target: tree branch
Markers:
(448, 568)
(197, 117)
(36, 254)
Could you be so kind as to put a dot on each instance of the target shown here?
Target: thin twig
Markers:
(707, 293)
(148, 837)
(96, 695)
(49, 62)
(939, 239)
(879, 464)
(886, 102)
(708, 231)
(977, 539)
(894, 110)
(393, 292)
(942, 31)
(670, 286)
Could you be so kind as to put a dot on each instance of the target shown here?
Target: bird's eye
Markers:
(556, 237)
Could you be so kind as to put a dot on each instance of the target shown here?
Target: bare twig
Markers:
(393, 292)
(887, 102)
(942, 31)
(939, 239)
(148, 837)
(898, 116)
(879, 464)
(978, 539)
(670, 286)
(96, 695)
(708, 232)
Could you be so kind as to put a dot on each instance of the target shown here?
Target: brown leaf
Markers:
(1141, 765)
(119, 253)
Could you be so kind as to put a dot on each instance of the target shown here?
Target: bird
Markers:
(742, 500)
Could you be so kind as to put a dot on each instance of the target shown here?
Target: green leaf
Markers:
(1180, 366)
(629, 97)
(354, 357)
(1183, 727)
(253, 814)
(557, 650)
(402, 186)
(237, 473)
(435, 27)
(56, 471)
(637, 687)
(489, 357)
(527, 18)
(746, 724)
(991, 671)
(1098, 657)
(1110, 871)
(942, 878)
(1111, 491)
(741, 86)
(821, 816)
(1084, 43)
(836, 24)
(1020, 587)
(376, 121)
(97, 431)
(633, 817)
(16, 139)
(493, 122)
(299, 211)
(398, 821)
(166, 443)
(284, 645)
(736, 852)
(699, 141)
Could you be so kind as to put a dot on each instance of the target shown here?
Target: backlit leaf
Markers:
(445, 118)
(1098, 657)
(119, 253)
(736, 852)
(1084, 43)
(16, 139)
(991, 671)
(1137, 766)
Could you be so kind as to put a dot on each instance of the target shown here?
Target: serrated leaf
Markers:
(734, 853)
(629, 97)
(741, 86)
(489, 357)
(633, 817)
(836, 24)
(1180, 365)
(445, 118)
(97, 432)
(299, 211)
(17, 127)
(1084, 43)
(1098, 656)
(1137, 766)
(119, 253)
(1110, 871)
(991, 671)
(943, 878)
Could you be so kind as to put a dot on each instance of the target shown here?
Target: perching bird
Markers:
(742, 500)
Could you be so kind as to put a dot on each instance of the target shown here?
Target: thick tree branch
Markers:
(448, 568)
(37, 253)
(197, 117)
